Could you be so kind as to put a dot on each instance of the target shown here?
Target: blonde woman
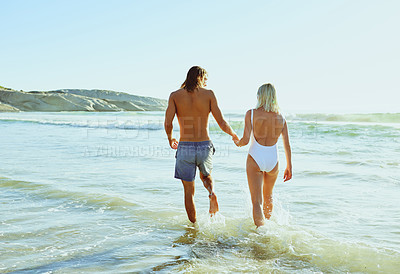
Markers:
(263, 126)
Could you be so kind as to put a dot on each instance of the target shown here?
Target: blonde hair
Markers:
(266, 98)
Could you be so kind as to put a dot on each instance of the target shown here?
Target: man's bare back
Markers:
(193, 109)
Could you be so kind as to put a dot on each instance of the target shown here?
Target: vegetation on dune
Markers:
(1, 87)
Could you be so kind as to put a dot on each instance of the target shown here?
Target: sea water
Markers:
(95, 192)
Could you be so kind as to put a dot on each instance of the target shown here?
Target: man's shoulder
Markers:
(182, 91)
(176, 93)
(208, 92)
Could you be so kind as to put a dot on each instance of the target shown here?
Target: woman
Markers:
(264, 125)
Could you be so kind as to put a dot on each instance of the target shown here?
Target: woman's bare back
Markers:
(267, 126)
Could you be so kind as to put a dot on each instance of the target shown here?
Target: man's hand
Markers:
(173, 143)
(235, 139)
(287, 174)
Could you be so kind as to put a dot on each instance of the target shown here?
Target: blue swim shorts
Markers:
(191, 155)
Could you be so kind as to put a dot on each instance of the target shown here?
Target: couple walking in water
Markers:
(192, 104)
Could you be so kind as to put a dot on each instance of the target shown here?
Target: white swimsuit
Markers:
(266, 157)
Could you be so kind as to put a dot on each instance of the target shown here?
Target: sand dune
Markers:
(6, 107)
(76, 100)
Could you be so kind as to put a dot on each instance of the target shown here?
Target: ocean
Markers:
(88, 192)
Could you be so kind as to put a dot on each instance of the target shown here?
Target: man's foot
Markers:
(213, 204)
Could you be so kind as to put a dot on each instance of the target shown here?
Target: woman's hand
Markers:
(287, 175)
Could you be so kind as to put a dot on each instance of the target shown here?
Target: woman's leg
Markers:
(255, 180)
(269, 182)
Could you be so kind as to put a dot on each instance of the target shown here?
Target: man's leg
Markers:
(189, 200)
(209, 185)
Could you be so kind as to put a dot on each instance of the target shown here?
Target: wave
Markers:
(124, 124)
(102, 124)
(364, 118)
(76, 199)
(275, 247)
(344, 129)
(218, 244)
(155, 121)
(318, 117)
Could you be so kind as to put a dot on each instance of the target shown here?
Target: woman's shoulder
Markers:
(281, 117)
(277, 116)
(248, 112)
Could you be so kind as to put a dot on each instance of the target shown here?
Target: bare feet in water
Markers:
(213, 204)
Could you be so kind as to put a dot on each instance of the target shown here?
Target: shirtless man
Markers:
(192, 104)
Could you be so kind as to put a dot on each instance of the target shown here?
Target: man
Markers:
(192, 105)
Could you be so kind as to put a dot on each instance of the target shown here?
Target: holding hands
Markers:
(235, 139)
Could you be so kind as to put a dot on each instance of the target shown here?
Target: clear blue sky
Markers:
(322, 55)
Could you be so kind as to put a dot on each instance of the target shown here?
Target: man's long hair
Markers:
(194, 75)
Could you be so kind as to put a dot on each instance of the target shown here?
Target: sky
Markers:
(325, 56)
